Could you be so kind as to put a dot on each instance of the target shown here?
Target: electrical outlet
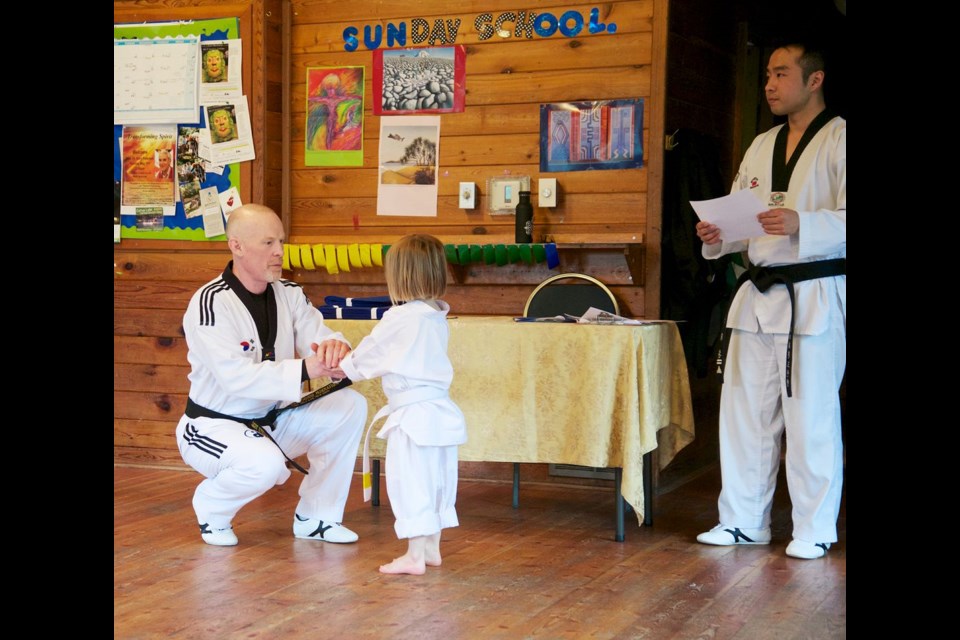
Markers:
(468, 195)
(547, 192)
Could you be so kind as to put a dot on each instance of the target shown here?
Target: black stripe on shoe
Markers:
(739, 535)
(319, 530)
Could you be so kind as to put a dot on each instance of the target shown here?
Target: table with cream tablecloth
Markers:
(565, 393)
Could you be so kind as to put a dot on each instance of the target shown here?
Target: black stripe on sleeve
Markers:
(207, 318)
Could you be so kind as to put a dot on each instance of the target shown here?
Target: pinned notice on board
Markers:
(212, 216)
(230, 200)
(155, 80)
(228, 136)
(157, 64)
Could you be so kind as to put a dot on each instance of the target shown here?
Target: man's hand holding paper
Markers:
(780, 222)
(734, 217)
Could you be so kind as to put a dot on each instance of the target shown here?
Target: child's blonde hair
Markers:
(416, 269)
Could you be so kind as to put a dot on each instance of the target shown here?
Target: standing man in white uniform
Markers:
(253, 339)
(787, 325)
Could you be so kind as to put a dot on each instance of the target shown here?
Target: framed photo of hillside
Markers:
(408, 166)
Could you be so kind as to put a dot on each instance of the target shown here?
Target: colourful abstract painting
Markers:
(334, 128)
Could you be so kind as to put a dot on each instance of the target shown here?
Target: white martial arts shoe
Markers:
(807, 550)
(311, 529)
(726, 536)
(218, 537)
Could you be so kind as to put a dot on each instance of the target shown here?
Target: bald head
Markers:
(255, 238)
(248, 217)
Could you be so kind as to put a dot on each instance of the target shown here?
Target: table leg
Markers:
(618, 479)
(516, 485)
(648, 489)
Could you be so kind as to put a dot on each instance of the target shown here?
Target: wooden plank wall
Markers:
(602, 216)
(496, 135)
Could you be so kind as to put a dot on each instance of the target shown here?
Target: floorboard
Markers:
(550, 569)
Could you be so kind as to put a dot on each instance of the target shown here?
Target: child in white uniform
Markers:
(408, 351)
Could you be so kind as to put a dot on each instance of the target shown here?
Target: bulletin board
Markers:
(177, 226)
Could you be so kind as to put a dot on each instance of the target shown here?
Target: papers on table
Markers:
(592, 316)
(599, 316)
(735, 214)
(563, 318)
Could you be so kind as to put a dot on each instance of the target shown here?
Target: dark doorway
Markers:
(766, 24)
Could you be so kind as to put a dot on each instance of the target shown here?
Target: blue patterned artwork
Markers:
(600, 134)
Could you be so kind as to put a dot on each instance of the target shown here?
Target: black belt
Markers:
(194, 411)
(765, 277)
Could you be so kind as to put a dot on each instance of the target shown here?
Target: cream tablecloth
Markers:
(598, 396)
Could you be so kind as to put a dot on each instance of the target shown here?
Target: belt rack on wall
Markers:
(621, 258)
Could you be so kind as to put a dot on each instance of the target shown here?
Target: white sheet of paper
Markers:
(735, 214)
(239, 146)
(155, 80)
(408, 144)
(212, 216)
(209, 167)
(230, 85)
(599, 316)
(229, 200)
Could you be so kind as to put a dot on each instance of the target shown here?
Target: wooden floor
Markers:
(549, 569)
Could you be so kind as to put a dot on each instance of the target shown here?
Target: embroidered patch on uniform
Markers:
(250, 433)
(248, 345)
(754, 183)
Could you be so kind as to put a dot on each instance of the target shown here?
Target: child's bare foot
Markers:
(431, 550)
(404, 564)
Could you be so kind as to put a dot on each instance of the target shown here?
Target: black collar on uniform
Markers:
(262, 307)
(782, 170)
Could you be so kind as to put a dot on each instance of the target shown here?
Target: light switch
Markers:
(547, 196)
(503, 193)
(468, 195)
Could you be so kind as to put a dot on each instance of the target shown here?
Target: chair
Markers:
(574, 293)
(571, 293)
